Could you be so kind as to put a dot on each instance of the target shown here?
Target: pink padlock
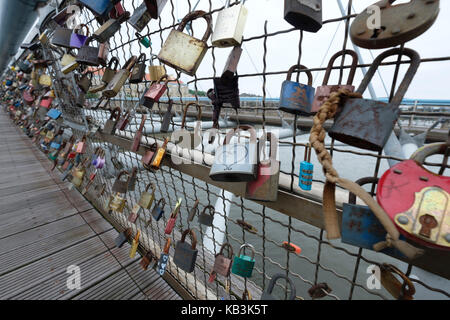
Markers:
(323, 92)
(81, 145)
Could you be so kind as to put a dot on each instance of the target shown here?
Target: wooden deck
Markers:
(45, 227)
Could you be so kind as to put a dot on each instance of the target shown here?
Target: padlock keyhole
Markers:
(377, 32)
(428, 223)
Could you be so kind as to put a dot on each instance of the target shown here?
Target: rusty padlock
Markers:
(138, 72)
(399, 23)
(110, 125)
(183, 52)
(222, 263)
(367, 124)
(207, 219)
(323, 92)
(121, 186)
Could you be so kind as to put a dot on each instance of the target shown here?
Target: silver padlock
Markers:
(230, 25)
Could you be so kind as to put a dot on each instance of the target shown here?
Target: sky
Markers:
(430, 82)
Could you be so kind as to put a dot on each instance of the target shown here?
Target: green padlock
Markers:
(143, 40)
(243, 265)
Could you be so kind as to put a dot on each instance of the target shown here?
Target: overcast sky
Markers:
(431, 81)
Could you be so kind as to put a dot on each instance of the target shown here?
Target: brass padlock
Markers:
(109, 72)
(147, 198)
(117, 203)
(183, 52)
(119, 79)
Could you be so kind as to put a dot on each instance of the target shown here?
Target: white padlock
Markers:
(230, 25)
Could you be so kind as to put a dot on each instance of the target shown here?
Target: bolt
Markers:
(403, 220)
(447, 237)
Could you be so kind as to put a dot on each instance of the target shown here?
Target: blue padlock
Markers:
(98, 7)
(297, 98)
(306, 171)
(360, 226)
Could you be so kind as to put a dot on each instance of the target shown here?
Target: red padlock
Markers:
(173, 218)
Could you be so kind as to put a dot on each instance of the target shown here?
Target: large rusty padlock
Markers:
(183, 52)
(323, 92)
(304, 14)
(417, 200)
(297, 98)
(399, 23)
(367, 124)
(121, 186)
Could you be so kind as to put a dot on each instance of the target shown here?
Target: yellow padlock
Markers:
(135, 245)
(118, 203)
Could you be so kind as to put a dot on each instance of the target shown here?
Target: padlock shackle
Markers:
(361, 182)
(191, 233)
(230, 250)
(431, 149)
(159, 201)
(194, 15)
(122, 173)
(142, 57)
(308, 151)
(409, 290)
(167, 245)
(193, 210)
(298, 68)
(351, 75)
(81, 26)
(116, 63)
(199, 113)
(211, 209)
(277, 277)
(115, 114)
(130, 63)
(273, 149)
(232, 132)
(414, 65)
(247, 245)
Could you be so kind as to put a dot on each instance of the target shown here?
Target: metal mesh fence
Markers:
(342, 267)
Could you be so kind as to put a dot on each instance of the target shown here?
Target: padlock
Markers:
(117, 11)
(164, 258)
(122, 238)
(167, 118)
(265, 187)
(360, 227)
(400, 23)
(159, 155)
(119, 79)
(304, 14)
(185, 254)
(140, 18)
(155, 7)
(78, 173)
(78, 40)
(189, 140)
(267, 294)
(88, 55)
(147, 198)
(226, 91)
(183, 52)
(84, 83)
(222, 263)
(156, 72)
(121, 186)
(67, 59)
(109, 72)
(61, 37)
(109, 28)
(368, 124)
(137, 138)
(230, 25)
(243, 265)
(45, 80)
(145, 41)
(134, 245)
(98, 7)
(155, 92)
(158, 210)
(236, 162)
(146, 260)
(124, 120)
(134, 214)
(194, 210)
(231, 65)
(173, 218)
(64, 14)
(70, 67)
(323, 92)
(103, 53)
(110, 125)
(297, 98)
(148, 156)
(138, 72)
(305, 179)
(117, 203)
(132, 179)
(81, 145)
(398, 290)
(417, 200)
(207, 219)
